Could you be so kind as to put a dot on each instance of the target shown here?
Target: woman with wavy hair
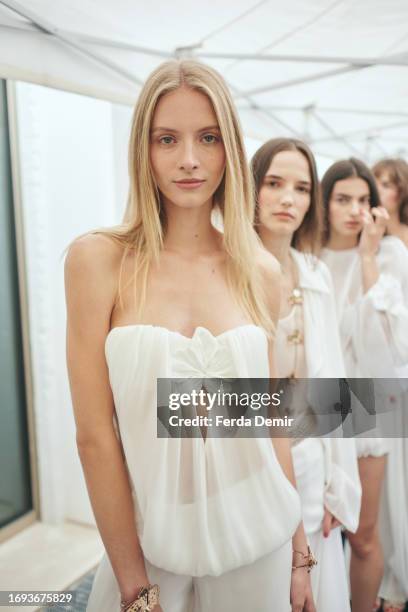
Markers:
(371, 285)
(392, 183)
(289, 221)
(199, 523)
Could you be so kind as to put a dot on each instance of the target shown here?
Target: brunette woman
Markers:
(369, 274)
(289, 221)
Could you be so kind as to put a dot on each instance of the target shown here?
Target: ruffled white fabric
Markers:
(202, 508)
(326, 469)
(374, 325)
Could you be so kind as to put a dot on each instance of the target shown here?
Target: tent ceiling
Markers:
(331, 71)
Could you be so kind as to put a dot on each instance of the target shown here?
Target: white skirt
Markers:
(260, 586)
(329, 576)
(394, 512)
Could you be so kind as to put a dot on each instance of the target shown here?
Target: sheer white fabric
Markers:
(260, 586)
(326, 469)
(374, 325)
(203, 508)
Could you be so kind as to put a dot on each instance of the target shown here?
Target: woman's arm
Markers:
(90, 283)
(375, 224)
(301, 592)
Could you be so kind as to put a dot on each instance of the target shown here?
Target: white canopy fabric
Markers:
(333, 72)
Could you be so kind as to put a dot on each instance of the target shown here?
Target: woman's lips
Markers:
(283, 215)
(189, 183)
(352, 224)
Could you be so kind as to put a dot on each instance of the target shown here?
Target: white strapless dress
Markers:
(205, 509)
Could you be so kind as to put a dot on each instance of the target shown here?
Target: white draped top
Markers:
(373, 325)
(326, 468)
(203, 507)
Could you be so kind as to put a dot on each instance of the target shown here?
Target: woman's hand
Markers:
(375, 224)
(301, 596)
(329, 522)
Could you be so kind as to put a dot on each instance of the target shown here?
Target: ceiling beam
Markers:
(373, 130)
(90, 40)
(47, 27)
(394, 60)
(298, 81)
(336, 135)
(328, 109)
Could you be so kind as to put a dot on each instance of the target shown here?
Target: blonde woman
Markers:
(369, 276)
(198, 523)
(289, 221)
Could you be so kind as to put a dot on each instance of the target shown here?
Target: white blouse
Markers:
(203, 508)
(373, 325)
(330, 461)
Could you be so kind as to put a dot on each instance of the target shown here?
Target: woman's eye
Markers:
(166, 140)
(304, 189)
(210, 138)
(273, 184)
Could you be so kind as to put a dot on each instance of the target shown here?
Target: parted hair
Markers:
(397, 170)
(308, 236)
(339, 171)
(144, 225)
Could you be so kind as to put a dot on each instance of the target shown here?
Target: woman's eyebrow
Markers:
(164, 129)
(276, 176)
(168, 129)
(209, 127)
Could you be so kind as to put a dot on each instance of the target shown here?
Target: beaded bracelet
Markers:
(310, 560)
(146, 600)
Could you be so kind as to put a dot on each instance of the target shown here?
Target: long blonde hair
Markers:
(144, 221)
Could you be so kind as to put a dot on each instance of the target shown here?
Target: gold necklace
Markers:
(296, 337)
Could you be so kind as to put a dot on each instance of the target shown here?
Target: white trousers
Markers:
(262, 586)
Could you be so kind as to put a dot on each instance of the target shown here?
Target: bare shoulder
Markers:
(270, 270)
(269, 266)
(91, 278)
(91, 252)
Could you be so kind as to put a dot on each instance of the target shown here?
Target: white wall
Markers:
(72, 155)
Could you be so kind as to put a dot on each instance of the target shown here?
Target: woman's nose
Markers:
(188, 158)
(288, 198)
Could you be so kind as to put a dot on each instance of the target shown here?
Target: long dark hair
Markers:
(398, 173)
(308, 236)
(339, 171)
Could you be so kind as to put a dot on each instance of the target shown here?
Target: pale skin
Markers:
(284, 200)
(353, 223)
(391, 200)
(185, 145)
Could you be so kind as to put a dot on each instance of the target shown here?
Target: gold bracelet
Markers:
(146, 600)
(310, 560)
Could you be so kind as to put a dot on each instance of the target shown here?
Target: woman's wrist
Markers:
(367, 257)
(145, 600)
(129, 594)
(303, 560)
